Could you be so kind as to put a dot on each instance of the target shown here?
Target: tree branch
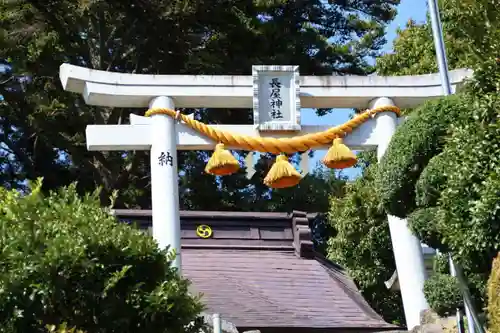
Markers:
(116, 52)
(50, 16)
(103, 50)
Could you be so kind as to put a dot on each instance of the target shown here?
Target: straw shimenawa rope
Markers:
(275, 145)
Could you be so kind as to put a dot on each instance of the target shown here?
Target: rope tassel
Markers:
(222, 162)
(339, 156)
(282, 174)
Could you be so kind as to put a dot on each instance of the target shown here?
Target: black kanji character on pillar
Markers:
(165, 159)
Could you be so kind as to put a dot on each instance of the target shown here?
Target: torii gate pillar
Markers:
(407, 248)
(164, 180)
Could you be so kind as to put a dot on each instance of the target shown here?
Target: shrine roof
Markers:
(260, 271)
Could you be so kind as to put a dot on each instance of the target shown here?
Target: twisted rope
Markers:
(272, 145)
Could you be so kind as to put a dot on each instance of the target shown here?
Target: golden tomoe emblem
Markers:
(204, 231)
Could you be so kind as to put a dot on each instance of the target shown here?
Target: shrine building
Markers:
(259, 271)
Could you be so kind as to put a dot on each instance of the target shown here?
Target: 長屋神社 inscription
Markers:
(276, 100)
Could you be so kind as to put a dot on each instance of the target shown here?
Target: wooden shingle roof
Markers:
(259, 271)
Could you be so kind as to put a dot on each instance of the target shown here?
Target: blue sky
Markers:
(408, 9)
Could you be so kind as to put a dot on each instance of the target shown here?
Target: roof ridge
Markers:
(206, 214)
(302, 235)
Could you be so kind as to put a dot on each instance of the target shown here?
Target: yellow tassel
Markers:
(222, 162)
(339, 156)
(282, 174)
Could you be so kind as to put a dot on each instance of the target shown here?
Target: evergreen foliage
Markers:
(65, 260)
(361, 241)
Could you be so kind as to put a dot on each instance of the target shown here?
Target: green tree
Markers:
(361, 241)
(42, 127)
(469, 214)
(64, 259)
(451, 188)
(471, 34)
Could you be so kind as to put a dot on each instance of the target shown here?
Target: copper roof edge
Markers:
(340, 274)
(206, 214)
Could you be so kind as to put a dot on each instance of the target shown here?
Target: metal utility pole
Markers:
(437, 32)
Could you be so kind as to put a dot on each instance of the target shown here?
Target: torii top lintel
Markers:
(222, 91)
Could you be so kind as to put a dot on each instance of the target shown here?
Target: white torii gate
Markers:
(163, 135)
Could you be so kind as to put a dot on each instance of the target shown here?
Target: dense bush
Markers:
(469, 214)
(441, 268)
(66, 260)
(442, 291)
(431, 182)
(469, 211)
(494, 297)
(416, 141)
(441, 264)
(422, 223)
